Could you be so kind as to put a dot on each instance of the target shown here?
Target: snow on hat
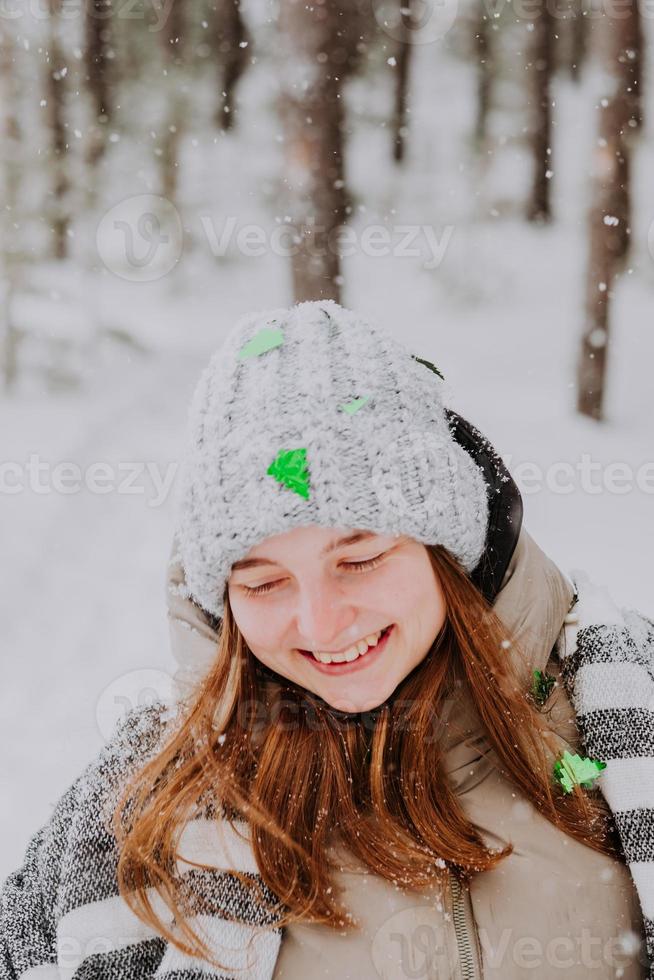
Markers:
(313, 415)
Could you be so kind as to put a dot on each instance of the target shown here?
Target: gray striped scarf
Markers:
(62, 917)
(607, 665)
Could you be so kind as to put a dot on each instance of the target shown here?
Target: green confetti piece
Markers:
(542, 686)
(265, 339)
(573, 769)
(290, 468)
(354, 406)
(432, 367)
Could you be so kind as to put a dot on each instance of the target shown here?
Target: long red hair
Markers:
(296, 771)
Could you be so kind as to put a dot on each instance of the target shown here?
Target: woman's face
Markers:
(316, 592)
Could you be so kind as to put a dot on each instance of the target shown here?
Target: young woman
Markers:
(395, 751)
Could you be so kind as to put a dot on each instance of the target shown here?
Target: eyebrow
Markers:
(353, 538)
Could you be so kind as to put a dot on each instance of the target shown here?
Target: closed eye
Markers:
(357, 566)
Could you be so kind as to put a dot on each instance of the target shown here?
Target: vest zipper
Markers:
(464, 927)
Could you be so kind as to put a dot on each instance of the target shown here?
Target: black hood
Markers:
(504, 503)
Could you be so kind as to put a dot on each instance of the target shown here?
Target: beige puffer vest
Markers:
(553, 908)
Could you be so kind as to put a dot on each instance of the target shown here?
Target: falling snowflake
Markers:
(597, 337)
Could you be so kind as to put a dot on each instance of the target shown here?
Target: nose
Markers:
(326, 619)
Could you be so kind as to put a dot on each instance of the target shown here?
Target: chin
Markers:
(354, 704)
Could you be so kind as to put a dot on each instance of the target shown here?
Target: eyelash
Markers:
(360, 566)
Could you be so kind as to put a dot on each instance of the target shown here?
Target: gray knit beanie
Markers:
(312, 415)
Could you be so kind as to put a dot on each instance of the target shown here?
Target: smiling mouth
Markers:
(355, 662)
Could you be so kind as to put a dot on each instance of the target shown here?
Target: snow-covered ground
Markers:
(83, 572)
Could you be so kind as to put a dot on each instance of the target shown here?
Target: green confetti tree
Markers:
(571, 769)
(264, 340)
(290, 468)
(354, 406)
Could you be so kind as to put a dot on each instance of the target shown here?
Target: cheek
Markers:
(258, 629)
(417, 598)
(406, 594)
(435, 617)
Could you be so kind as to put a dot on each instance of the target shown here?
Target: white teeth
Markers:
(359, 649)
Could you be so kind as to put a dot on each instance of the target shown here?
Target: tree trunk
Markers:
(402, 70)
(11, 129)
(98, 61)
(232, 44)
(319, 50)
(483, 41)
(170, 144)
(55, 83)
(540, 68)
(578, 39)
(175, 83)
(11, 170)
(620, 119)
